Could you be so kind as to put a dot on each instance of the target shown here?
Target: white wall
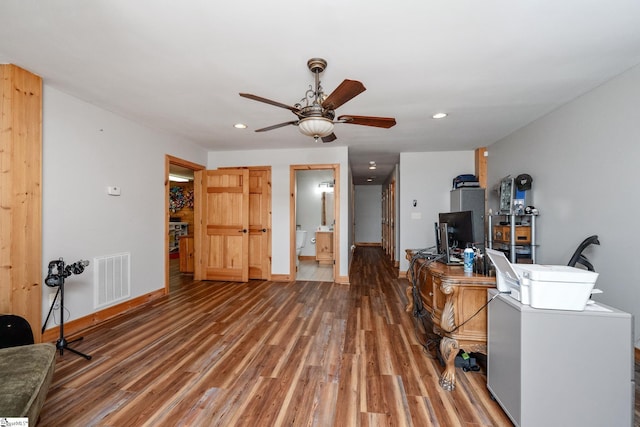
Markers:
(86, 149)
(584, 159)
(280, 160)
(368, 213)
(427, 179)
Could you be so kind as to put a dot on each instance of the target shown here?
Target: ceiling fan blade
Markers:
(329, 138)
(269, 101)
(279, 125)
(380, 122)
(347, 90)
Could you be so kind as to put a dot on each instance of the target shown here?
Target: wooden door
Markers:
(385, 224)
(260, 223)
(392, 220)
(223, 236)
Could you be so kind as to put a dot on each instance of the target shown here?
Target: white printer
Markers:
(557, 287)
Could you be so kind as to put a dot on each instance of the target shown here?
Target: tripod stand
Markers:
(57, 279)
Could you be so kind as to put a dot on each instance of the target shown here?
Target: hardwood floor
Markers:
(177, 279)
(267, 354)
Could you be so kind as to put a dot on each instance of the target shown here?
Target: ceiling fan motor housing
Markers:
(317, 65)
(316, 110)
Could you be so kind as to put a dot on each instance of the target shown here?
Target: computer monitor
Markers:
(459, 229)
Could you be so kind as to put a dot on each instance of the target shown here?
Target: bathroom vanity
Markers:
(324, 247)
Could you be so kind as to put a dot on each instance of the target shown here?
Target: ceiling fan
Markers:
(316, 111)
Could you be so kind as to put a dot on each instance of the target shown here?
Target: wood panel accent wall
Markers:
(21, 195)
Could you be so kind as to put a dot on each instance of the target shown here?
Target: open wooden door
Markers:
(222, 237)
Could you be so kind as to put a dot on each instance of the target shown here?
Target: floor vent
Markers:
(111, 279)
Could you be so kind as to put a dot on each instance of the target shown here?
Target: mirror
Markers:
(327, 212)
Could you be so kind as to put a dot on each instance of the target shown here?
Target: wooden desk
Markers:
(452, 297)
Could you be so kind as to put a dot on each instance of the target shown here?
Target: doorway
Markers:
(314, 222)
(179, 221)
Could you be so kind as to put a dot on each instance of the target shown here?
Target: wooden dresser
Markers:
(451, 299)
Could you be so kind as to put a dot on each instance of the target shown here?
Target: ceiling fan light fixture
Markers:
(316, 127)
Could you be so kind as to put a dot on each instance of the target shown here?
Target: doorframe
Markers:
(292, 215)
(168, 161)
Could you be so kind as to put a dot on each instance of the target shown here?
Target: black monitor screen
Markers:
(459, 227)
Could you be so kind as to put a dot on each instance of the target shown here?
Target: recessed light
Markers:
(369, 179)
(439, 115)
(240, 126)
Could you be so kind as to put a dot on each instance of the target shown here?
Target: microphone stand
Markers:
(62, 343)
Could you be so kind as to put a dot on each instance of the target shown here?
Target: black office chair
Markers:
(578, 258)
(14, 331)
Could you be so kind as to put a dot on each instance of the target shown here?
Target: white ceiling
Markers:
(493, 65)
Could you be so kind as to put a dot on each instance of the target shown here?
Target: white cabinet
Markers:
(177, 229)
(560, 368)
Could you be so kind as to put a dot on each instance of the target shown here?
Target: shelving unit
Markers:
(177, 229)
(517, 237)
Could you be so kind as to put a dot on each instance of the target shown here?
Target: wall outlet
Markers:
(53, 301)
